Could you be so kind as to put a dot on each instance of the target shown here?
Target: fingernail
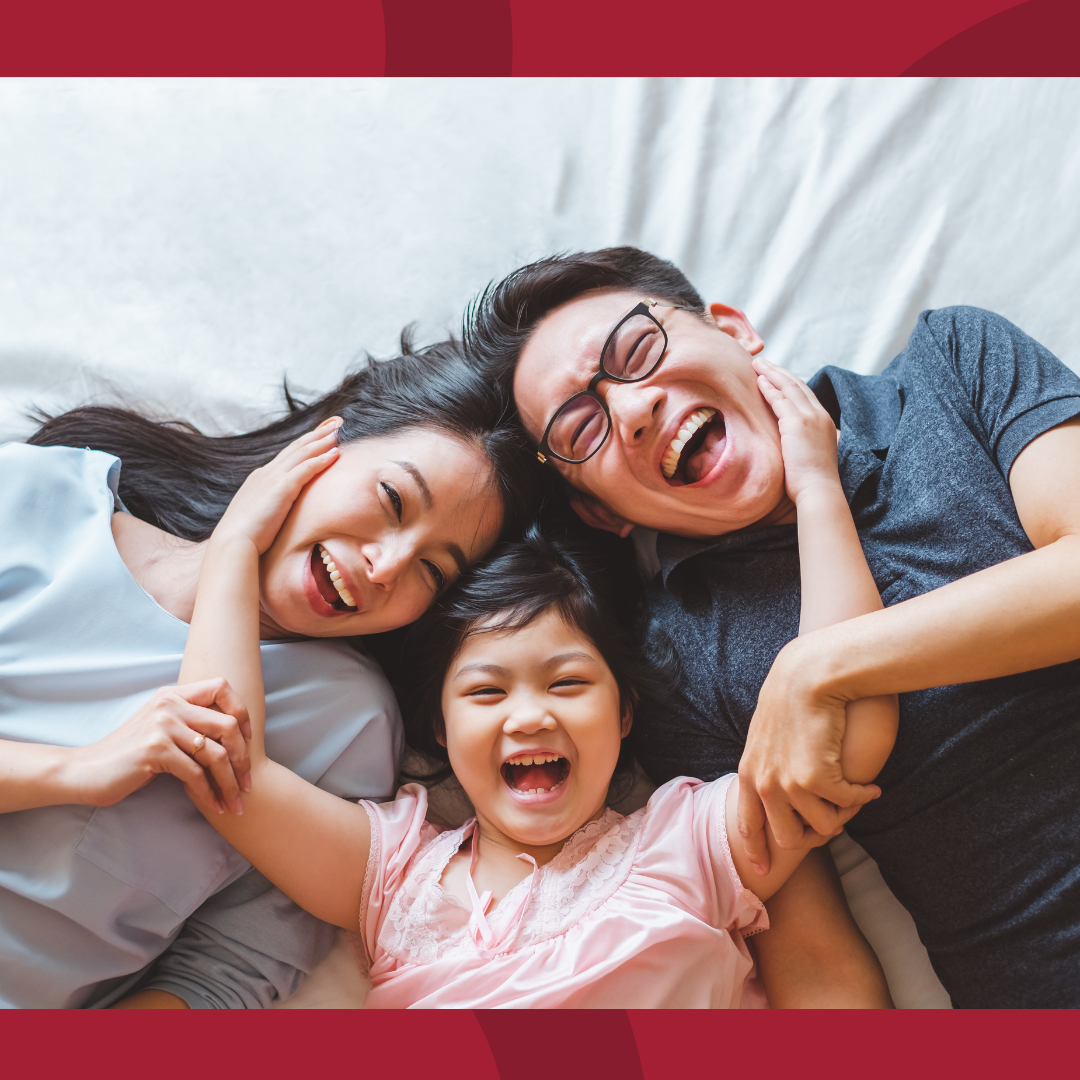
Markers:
(239, 809)
(247, 783)
(219, 808)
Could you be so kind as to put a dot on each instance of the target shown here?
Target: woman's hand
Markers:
(808, 435)
(194, 732)
(259, 508)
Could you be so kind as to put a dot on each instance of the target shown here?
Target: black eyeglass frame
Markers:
(644, 308)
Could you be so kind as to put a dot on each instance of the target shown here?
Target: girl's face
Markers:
(393, 521)
(533, 728)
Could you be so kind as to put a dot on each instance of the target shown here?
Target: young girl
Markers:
(546, 898)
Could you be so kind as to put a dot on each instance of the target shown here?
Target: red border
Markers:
(299, 1045)
(538, 37)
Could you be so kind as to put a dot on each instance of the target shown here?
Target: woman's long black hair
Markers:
(588, 578)
(181, 480)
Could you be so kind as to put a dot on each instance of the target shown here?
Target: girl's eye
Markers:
(393, 496)
(486, 691)
(436, 575)
(568, 681)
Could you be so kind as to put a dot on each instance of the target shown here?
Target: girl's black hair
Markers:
(181, 480)
(593, 585)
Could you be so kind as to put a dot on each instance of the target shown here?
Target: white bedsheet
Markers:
(186, 244)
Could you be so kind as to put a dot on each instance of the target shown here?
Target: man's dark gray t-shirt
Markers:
(977, 830)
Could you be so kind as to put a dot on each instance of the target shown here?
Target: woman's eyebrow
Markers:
(458, 556)
(421, 483)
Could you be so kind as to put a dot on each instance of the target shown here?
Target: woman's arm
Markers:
(159, 738)
(312, 845)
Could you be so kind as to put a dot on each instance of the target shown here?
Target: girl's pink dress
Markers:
(643, 911)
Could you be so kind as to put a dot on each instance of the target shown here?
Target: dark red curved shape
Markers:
(440, 37)
(1036, 38)
(539, 1045)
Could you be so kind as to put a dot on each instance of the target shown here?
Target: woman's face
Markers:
(395, 519)
(533, 728)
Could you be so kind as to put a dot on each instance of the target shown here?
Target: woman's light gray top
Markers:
(90, 897)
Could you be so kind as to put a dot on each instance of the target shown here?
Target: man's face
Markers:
(730, 472)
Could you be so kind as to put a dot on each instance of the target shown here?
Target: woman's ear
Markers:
(731, 321)
(627, 718)
(440, 733)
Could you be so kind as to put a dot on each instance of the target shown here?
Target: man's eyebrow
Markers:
(421, 483)
(486, 669)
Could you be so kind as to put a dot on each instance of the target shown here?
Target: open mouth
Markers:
(328, 581)
(536, 774)
(696, 447)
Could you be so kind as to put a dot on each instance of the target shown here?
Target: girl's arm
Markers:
(312, 845)
(836, 582)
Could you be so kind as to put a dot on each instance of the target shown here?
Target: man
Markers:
(961, 463)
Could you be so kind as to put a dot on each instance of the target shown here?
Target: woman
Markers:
(102, 857)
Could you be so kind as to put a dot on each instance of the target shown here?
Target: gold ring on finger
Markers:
(200, 742)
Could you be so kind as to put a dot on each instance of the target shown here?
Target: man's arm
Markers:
(1017, 616)
(813, 956)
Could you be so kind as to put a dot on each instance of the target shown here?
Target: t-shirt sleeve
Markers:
(1016, 388)
(398, 829)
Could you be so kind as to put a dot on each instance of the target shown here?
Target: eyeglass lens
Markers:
(581, 425)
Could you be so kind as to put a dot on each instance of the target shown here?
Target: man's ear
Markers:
(731, 321)
(595, 513)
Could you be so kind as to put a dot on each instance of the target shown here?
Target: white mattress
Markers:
(186, 244)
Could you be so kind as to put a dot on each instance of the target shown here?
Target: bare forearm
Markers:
(1017, 616)
(312, 845)
(33, 775)
(814, 956)
(224, 637)
(836, 583)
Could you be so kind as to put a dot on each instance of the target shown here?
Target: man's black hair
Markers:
(501, 320)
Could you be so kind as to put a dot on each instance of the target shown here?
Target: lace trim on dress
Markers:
(596, 860)
(374, 861)
(724, 857)
(425, 923)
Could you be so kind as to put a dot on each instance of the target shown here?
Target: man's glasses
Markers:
(632, 352)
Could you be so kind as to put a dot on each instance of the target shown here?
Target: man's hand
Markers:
(790, 770)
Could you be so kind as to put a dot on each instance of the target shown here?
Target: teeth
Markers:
(545, 759)
(670, 461)
(335, 577)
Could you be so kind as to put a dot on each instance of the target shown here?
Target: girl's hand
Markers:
(196, 733)
(808, 435)
(259, 508)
